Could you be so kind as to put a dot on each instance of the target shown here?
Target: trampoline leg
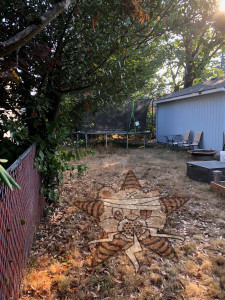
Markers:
(106, 140)
(86, 139)
(144, 140)
(127, 141)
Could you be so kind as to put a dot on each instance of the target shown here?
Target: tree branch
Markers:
(201, 39)
(59, 46)
(28, 33)
(77, 89)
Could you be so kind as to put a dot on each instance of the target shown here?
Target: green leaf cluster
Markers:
(194, 39)
(6, 178)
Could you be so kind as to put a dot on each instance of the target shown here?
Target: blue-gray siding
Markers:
(203, 113)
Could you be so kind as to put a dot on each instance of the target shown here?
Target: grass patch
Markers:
(60, 261)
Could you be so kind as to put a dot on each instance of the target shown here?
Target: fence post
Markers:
(216, 176)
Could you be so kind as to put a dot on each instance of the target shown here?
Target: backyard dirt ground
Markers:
(59, 264)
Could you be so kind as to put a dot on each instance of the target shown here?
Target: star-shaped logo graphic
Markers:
(132, 219)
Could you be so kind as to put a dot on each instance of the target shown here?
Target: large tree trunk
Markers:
(189, 64)
(55, 100)
(188, 75)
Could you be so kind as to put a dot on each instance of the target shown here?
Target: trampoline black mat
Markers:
(118, 119)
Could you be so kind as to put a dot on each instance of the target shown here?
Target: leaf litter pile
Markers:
(60, 267)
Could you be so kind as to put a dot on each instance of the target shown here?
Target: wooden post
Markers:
(77, 137)
(152, 114)
(106, 140)
(144, 140)
(127, 140)
(217, 174)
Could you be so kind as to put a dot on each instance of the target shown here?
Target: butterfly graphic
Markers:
(131, 220)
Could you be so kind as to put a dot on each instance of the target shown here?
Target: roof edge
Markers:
(212, 91)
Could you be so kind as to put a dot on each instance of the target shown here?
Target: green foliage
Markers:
(6, 178)
(210, 71)
(151, 121)
(22, 222)
(81, 169)
(196, 35)
(51, 160)
(13, 137)
(18, 131)
(92, 54)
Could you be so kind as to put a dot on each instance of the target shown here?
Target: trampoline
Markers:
(127, 119)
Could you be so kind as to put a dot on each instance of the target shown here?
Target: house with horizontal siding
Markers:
(198, 108)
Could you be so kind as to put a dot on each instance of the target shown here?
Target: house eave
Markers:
(212, 91)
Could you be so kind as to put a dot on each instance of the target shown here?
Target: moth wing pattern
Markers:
(106, 250)
(94, 208)
(131, 181)
(160, 245)
(170, 204)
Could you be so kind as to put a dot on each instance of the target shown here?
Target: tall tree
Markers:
(93, 53)
(90, 50)
(197, 34)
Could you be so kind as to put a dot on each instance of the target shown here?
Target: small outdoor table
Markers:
(203, 170)
(171, 138)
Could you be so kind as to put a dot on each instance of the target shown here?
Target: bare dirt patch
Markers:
(59, 266)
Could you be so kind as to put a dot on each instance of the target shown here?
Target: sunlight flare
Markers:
(222, 5)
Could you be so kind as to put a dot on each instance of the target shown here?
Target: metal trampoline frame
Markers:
(111, 132)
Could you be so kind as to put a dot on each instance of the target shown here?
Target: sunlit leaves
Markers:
(195, 39)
